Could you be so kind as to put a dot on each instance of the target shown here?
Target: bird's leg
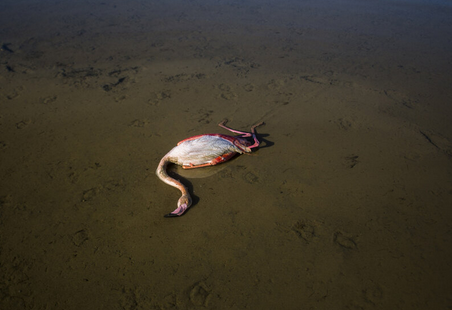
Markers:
(243, 134)
(253, 132)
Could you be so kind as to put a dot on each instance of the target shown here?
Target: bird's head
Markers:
(242, 144)
(183, 204)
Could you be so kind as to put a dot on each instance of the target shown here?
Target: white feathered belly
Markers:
(201, 150)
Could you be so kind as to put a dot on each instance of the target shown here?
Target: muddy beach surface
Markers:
(346, 204)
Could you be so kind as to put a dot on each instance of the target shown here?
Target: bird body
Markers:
(201, 151)
(204, 150)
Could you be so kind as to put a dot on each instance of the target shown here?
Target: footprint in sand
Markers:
(139, 123)
(291, 188)
(373, 293)
(345, 241)
(226, 92)
(304, 230)
(89, 194)
(275, 84)
(200, 295)
(48, 100)
(249, 87)
(157, 97)
(344, 123)
(80, 237)
(23, 124)
(351, 161)
(250, 177)
(13, 94)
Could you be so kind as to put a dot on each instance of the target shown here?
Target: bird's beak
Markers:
(179, 211)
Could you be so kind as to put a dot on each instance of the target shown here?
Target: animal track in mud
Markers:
(291, 188)
(73, 177)
(123, 81)
(202, 116)
(70, 170)
(225, 173)
(111, 185)
(185, 77)
(13, 94)
(373, 293)
(228, 96)
(249, 87)
(93, 77)
(15, 285)
(351, 161)
(48, 100)
(325, 80)
(22, 124)
(304, 230)
(241, 65)
(345, 123)
(169, 302)
(135, 298)
(275, 84)
(5, 201)
(80, 74)
(157, 97)
(250, 177)
(80, 237)
(139, 123)
(345, 241)
(120, 98)
(8, 205)
(200, 294)
(285, 99)
(89, 194)
(226, 92)
(224, 87)
(318, 290)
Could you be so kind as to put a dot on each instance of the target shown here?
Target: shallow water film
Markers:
(346, 204)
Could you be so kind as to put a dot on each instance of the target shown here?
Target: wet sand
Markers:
(346, 205)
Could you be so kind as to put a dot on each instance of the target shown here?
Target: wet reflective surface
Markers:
(346, 204)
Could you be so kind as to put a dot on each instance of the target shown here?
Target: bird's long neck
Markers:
(161, 173)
